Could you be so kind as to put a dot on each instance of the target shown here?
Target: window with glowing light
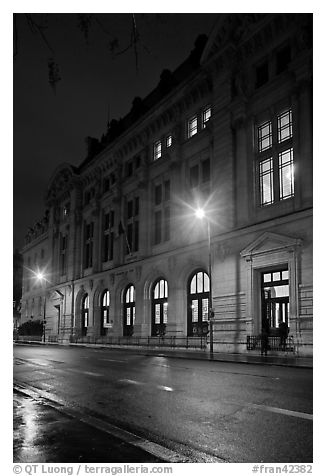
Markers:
(85, 314)
(157, 150)
(207, 112)
(275, 163)
(159, 307)
(198, 302)
(105, 308)
(192, 128)
(129, 304)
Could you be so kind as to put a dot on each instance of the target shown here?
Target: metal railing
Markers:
(27, 338)
(164, 341)
(274, 343)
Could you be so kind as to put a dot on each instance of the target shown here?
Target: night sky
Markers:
(50, 127)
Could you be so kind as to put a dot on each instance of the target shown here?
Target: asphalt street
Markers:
(199, 410)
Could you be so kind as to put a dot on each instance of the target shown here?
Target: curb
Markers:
(192, 355)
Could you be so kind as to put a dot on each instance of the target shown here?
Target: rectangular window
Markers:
(158, 194)
(206, 116)
(262, 74)
(206, 170)
(88, 248)
(283, 58)
(286, 174)
(266, 181)
(284, 126)
(89, 194)
(129, 168)
(192, 128)
(194, 176)
(165, 313)
(66, 210)
(161, 212)
(106, 184)
(63, 255)
(168, 141)
(132, 234)
(275, 159)
(158, 227)
(264, 136)
(157, 150)
(108, 236)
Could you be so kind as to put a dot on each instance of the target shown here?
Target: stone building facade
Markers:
(229, 131)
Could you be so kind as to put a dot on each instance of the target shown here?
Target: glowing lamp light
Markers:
(40, 276)
(200, 213)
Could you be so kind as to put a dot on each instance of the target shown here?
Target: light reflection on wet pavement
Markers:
(43, 434)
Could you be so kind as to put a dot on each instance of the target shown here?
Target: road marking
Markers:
(127, 380)
(283, 411)
(114, 360)
(38, 362)
(163, 387)
(84, 372)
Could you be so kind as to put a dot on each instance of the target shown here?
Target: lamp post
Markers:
(40, 276)
(200, 213)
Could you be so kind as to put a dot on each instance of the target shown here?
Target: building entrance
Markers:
(275, 300)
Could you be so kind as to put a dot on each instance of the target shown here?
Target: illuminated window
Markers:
(192, 127)
(275, 164)
(129, 310)
(159, 307)
(168, 141)
(157, 150)
(198, 302)
(207, 112)
(105, 307)
(85, 314)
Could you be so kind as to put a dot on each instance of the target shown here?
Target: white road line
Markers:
(163, 387)
(37, 362)
(283, 411)
(127, 380)
(84, 372)
(114, 360)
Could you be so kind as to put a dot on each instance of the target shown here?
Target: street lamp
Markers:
(40, 277)
(200, 213)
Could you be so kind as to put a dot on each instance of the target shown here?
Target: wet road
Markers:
(43, 434)
(202, 410)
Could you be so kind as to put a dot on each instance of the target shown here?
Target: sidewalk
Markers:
(287, 360)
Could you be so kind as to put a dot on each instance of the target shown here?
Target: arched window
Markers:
(85, 314)
(105, 306)
(198, 299)
(129, 310)
(159, 307)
